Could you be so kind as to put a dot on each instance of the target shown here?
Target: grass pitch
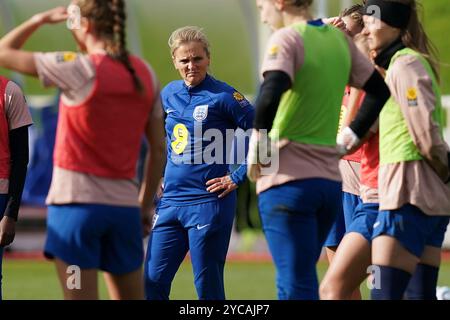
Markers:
(36, 280)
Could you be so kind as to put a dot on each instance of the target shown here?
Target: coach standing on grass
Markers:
(15, 119)
(199, 201)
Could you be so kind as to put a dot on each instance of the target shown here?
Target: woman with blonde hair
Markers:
(198, 204)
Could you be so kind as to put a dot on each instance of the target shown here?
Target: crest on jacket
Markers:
(200, 113)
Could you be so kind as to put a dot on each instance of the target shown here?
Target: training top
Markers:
(321, 61)
(355, 156)
(350, 165)
(367, 161)
(14, 114)
(200, 126)
(413, 153)
(370, 161)
(76, 76)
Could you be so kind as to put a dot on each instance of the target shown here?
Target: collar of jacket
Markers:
(198, 87)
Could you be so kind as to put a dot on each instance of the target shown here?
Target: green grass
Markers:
(32, 280)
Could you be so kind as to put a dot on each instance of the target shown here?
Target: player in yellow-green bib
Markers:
(414, 197)
(305, 71)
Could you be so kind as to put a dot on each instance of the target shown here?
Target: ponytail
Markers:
(109, 19)
(118, 49)
(414, 37)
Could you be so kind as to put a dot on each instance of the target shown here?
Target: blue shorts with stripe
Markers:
(364, 218)
(412, 228)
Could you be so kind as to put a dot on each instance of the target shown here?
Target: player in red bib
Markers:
(14, 122)
(109, 103)
(350, 263)
(350, 21)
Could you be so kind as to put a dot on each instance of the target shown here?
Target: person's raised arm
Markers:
(12, 56)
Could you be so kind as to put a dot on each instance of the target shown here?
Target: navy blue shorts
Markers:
(365, 216)
(93, 236)
(338, 230)
(412, 228)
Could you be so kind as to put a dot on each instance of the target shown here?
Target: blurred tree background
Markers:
(227, 25)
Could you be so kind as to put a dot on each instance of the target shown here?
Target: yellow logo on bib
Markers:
(66, 57)
(273, 52)
(411, 95)
(69, 56)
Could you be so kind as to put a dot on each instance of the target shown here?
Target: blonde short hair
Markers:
(188, 34)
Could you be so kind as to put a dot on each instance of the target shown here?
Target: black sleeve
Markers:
(18, 145)
(377, 93)
(448, 157)
(275, 84)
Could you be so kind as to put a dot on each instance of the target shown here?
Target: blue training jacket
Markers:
(200, 126)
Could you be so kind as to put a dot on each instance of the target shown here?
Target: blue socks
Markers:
(393, 283)
(422, 285)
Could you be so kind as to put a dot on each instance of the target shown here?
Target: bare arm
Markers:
(155, 162)
(11, 54)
